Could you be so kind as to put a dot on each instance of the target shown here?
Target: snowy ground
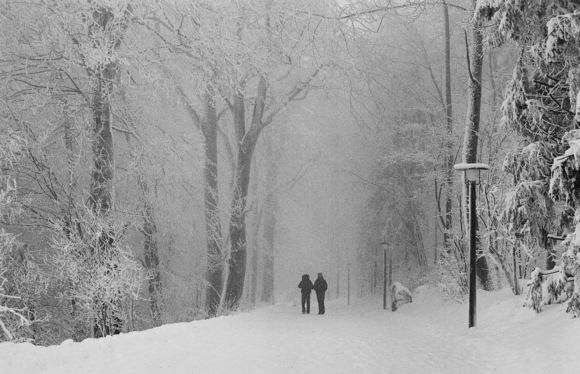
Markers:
(427, 336)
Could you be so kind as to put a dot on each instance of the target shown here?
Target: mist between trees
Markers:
(164, 161)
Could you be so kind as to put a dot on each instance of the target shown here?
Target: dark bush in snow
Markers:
(400, 295)
(556, 288)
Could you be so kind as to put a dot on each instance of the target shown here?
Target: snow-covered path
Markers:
(428, 336)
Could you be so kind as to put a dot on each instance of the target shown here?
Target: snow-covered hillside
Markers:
(427, 336)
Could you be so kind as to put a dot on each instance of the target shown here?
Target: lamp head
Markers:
(472, 175)
(472, 171)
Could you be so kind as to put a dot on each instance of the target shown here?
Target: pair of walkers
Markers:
(319, 287)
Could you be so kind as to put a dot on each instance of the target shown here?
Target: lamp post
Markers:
(375, 277)
(348, 284)
(385, 245)
(472, 175)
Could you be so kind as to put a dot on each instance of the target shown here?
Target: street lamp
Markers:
(385, 245)
(472, 175)
(348, 284)
(376, 269)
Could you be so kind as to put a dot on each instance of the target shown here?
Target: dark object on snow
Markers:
(400, 295)
(320, 287)
(557, 287)
(306, 286)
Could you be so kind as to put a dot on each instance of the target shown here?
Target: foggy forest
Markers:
(168, 161)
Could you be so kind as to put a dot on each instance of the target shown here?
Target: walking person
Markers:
(320, 286)
(306, 286)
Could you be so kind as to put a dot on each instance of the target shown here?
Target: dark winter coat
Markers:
(320, 285)
(305, 284)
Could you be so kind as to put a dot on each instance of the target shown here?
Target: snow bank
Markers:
(429, 336)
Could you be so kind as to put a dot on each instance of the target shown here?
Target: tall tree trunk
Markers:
(208, 126)
(252, 275)
(151, 250)
(254, 262)
(149, 231)
(214, 274)
(271, 208)
(102, 174)
(207, 123)
(72, 226)
(68, 213)
(246, 143)
(473, 121)
(449, 157)
(237, 260)
(516, 290)
(256, 243)
(104, 77)
(101, 186)
(270, 234)
(70, 145)
(149, 227)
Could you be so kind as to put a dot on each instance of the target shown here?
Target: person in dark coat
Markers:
(306, 286)
(320, 286)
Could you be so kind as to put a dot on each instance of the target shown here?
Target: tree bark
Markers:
(101, 186)
(102, 174)
(246, 143)
(449, 157)
(256, 245)
(151, 251)
(214, 274)
(237, 260)
(255, 259)
(547, 243)
(516, 289)
(270, 226)
(207, 123)
(473, 121)
(102, 147)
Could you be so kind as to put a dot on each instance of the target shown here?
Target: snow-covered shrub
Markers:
(12, 317)
(12, 311)
(556, 288)
(400, 295)
(534, 296)
(570, 263)
(27, 282)
(98, 275)
(411, 275)
(565, 187)
(562, 29)
(539, 105)
(449, 276)
(528, 210)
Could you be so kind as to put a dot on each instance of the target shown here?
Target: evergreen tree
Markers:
(538, 105)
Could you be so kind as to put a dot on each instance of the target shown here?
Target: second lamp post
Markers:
(386, 249)
(472, 176)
